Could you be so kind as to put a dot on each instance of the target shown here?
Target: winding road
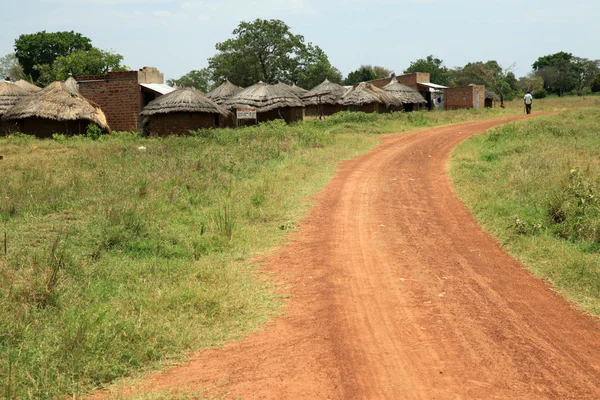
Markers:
(398, 294)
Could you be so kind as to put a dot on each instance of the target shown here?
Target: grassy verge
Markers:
(126, 252)
(535, 185)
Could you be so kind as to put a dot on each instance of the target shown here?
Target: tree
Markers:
(585, 70)
(38, 50)
(82, 62)
(199, 79)
(317, 69)
(9, 67)
(531, 83)
(559, 72)
(490, 74)
(367, 73)
(596, 83)
(264, 50)
(435, 66)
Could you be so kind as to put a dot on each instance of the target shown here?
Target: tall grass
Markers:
(536, 186)
(124, 252)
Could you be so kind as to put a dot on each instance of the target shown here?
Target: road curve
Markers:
(398, 294)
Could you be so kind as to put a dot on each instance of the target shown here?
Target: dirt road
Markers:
(398, 294)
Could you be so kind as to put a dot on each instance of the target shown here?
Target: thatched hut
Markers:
(323, 99)
(270, 102)
(10, 94)
(31, 88)
(409, 97)
(180, 111)
(56, 109)
(490, 98)
(368, 98)
(298, 91)
(223, 92)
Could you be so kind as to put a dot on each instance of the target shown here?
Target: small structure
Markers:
(223, 92)
(323, 99)
(464, 97)
(490, 98)
(410, 98)
(298, 91)
(56, 109)
(180, 111)
(28, 86)
(368, 98)
(123, 94)
(10, 94)
(269, 101)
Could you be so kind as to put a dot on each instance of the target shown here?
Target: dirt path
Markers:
(398, 294)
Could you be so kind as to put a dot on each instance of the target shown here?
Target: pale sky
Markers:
(177, 36)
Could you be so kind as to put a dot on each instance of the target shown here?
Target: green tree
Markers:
(501, 80)
(531, 83)
(596, 83)
(82, 62)
(38, 50)
(199, 79)
(435, 66)
(367, 73)
(316, 70)
(10, 67)
(263, 50)
(585, 71)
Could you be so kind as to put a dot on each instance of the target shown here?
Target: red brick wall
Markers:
(119, 96)
(178, 123)
(462, 97)
(411, 80)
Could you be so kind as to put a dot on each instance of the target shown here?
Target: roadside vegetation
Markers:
(122, 253)
(535, 185)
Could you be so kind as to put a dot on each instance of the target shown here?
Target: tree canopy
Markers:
(435, 66)
(36, 50)
(267, 50)
(367, 73)
(199, 79)
(10, 67)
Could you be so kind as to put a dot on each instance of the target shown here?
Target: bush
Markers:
(93, 131)
(540, 94)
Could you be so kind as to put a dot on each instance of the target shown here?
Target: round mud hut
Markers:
(269, 101)
(368, 98)
(31, 88)
(410, 98)
(223, 92)
(58, 108)
(323, 99)
(10, 94)
(491, 98)
(181, 111)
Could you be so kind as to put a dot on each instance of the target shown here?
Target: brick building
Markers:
(122, 95)
(462, 97)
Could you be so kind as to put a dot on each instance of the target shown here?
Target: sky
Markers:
(178, 36)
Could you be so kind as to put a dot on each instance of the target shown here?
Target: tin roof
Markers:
(158, 87)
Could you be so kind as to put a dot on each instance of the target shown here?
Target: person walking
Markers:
(528, 100)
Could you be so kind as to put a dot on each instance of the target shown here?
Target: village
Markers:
(141, 101)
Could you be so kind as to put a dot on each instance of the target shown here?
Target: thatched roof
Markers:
(57, 102)
(329, 93)
(263, 97)
(27, 86)
(188, 100)
(10, 94)
(72, 84)
(223, 92)
(298, 91)
(489, 95)
(365, 93)
(405, 94)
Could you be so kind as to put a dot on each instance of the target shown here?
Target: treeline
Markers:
(268, 51)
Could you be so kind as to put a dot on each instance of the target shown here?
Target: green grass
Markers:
(126, 252)
(535, 186)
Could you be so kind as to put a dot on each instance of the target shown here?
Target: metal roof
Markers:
(432, 85)
(158, 87)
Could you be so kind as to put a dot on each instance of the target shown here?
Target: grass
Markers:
(535, 186)
(124, 253)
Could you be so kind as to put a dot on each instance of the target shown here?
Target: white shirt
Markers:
(528, 98)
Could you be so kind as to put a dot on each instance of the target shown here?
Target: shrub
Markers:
(93, 131)
(540, 94)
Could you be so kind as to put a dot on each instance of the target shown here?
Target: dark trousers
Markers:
(528, 108)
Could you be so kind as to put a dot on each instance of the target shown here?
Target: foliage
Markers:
(595, 85)
(199, 79)
(317, 69)
(586, 71)
(266, 50)
(10, 67)
(434, 66)
(38, 50)
(534, 185)
(501, 80)
(530, 84)
(93, 131)
(562, 72)
(81, 62)
(367, 73)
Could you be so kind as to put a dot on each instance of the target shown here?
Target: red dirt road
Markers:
(398, 294)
